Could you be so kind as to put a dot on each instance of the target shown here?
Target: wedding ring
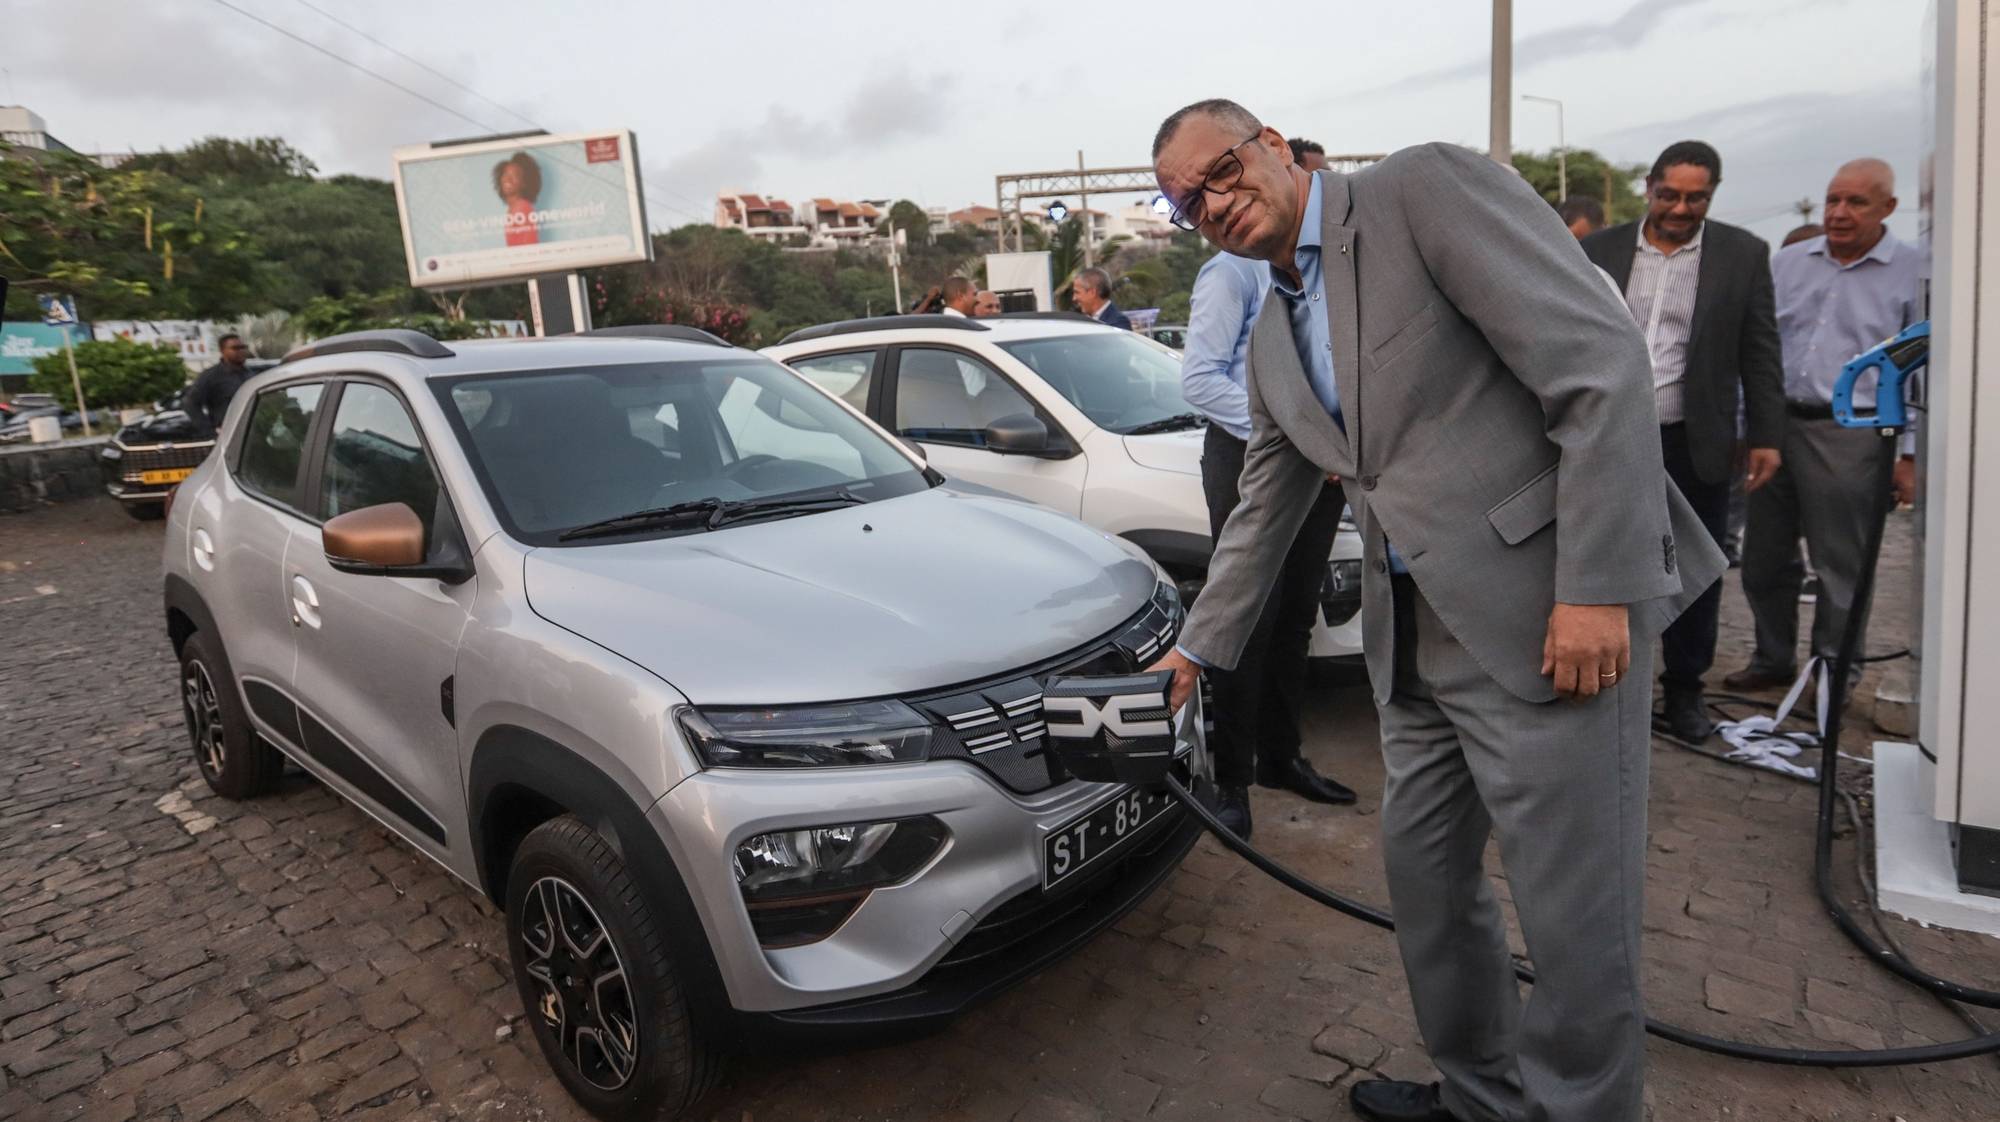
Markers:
(1611, 677)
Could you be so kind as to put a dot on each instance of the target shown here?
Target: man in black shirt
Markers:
(207, 400)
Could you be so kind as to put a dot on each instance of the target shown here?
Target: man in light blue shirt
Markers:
(1257, 703)
(1837, 295)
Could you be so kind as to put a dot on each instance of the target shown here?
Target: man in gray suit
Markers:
(1436, 339)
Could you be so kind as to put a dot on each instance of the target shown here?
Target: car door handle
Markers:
(305, 603)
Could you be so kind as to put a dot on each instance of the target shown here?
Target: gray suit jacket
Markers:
(1500, 427)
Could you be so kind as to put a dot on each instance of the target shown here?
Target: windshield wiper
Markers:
(695, 512)
(1175, 423)
(712, 514)
(807, 503)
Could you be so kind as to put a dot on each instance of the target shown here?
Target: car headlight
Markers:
(1167, 597)
(801, 885)
(842, 735)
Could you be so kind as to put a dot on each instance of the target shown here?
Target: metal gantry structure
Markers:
(1011, 191)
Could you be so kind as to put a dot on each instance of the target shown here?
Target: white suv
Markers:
(1060, 410)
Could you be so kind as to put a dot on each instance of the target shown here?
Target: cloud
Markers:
(1628, 30)
(880, 112)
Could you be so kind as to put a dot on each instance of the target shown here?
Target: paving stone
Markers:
(1727, 995)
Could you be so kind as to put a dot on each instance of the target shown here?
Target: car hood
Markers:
(901, 596)
(1167, 451)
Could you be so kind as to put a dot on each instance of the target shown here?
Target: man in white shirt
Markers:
(960, 297)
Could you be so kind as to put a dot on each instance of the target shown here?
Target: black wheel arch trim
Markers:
(1174, 548)
(512, 765)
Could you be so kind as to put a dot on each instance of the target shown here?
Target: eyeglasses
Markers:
(1670, 197)
(1221, 179)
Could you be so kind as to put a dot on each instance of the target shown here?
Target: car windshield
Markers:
(560, 449)
(1119, 380)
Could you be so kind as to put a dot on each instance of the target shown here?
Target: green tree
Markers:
(910, 218)
(127, 243)
(1590, 175)
(216, 159)
(114, 373)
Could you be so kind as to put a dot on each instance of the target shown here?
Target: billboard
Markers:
(518, 207)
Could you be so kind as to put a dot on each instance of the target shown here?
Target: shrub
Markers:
(114, 372)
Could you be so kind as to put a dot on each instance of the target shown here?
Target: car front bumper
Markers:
(973, 920)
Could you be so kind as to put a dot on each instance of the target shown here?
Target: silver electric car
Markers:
(727, 698)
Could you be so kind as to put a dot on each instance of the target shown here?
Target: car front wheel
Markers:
(596, 975)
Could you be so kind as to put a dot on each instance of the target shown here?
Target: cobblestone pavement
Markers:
(165, 954)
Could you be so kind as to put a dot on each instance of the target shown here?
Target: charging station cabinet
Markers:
(1959, 442)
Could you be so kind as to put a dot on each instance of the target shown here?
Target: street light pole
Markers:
(1562, 145)
(1500, 144)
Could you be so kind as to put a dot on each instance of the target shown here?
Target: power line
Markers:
(426, 99)
(418, 63)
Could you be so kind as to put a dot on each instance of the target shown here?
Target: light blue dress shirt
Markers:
(1829, 312)
(1307, 305)
(1215, 363)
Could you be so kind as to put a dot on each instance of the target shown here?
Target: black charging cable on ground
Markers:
(1889, 957)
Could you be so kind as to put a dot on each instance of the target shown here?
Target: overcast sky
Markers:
(930, 101)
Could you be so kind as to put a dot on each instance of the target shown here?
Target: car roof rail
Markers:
(677, 331)
(1078, 316)
(883, 323)
(388, 340)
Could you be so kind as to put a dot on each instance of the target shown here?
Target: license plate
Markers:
(165, 475)
(1097, 833)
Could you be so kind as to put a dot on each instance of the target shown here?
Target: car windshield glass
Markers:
(1119, 380)
(564, 448)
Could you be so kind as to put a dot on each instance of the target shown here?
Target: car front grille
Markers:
(997, 724)
(158, 457)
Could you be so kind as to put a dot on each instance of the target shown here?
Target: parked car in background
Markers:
(1169, 335)
(727, 699)
(1060, 410)
(148, 458)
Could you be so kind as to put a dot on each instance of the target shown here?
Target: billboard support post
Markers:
(560, 304)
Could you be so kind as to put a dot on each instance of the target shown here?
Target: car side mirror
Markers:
(387, 540)
(1018, 435)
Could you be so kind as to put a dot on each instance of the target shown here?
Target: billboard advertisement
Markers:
(518, 207)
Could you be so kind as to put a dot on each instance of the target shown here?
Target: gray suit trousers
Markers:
(1828, 493)
(1564, 786)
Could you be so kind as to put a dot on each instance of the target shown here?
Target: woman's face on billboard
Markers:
(510, 181)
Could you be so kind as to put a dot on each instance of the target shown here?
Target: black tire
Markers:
(236, 763)
(565, 868)
(145, 512)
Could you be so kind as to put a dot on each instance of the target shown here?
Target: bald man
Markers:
(1838, 294)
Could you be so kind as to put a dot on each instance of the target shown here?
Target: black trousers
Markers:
(1257, 704)
(1687, 649)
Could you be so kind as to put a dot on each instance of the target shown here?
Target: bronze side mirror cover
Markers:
(389, 535)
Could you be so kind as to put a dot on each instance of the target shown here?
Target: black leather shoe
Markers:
(1232, 805)
(1297, 776)
(1389, 1100)
(1686, 716)
(1751, 678)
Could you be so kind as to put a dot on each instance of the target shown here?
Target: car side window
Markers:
(374, 456)
(274, 441)
(848, 375)
(949, 397)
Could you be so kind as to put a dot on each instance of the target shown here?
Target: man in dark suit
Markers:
(1092, 293)
(1701, 294)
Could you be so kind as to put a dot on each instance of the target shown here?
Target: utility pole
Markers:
(1083, 178)
(1500, 144)
(1562, 145)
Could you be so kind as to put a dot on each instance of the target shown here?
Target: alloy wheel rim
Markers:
(203, 712)
(585, 996)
